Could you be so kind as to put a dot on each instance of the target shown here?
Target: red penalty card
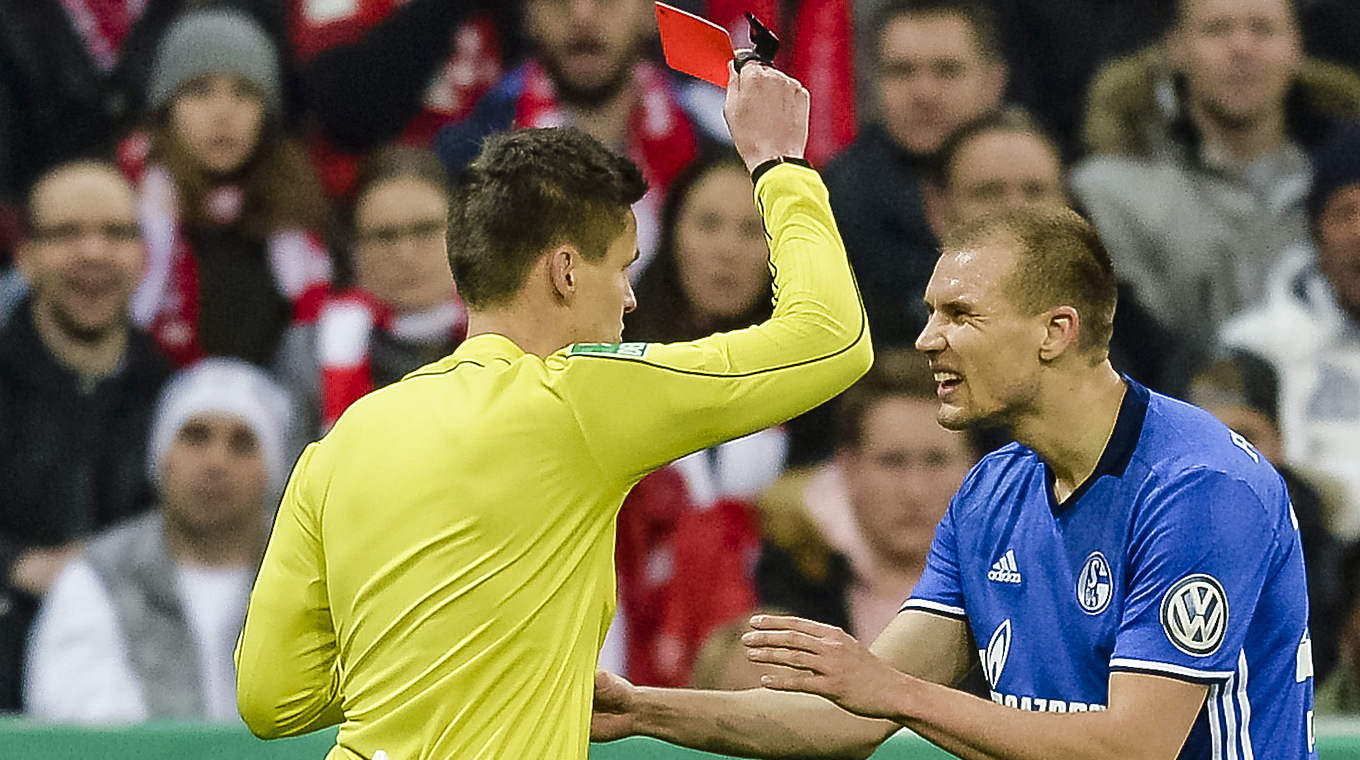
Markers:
(693, 45)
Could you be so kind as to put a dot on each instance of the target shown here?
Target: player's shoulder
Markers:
(1188, 452)
(1000, 471)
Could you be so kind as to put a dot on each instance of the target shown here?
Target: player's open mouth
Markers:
(947, 382)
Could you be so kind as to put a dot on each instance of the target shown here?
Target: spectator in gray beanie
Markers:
(215, 41)
(143, 623)
(224, 187)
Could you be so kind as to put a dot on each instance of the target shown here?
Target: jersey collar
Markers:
(1128, 428)
(487, 346)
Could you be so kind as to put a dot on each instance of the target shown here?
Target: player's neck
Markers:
(1077, 415)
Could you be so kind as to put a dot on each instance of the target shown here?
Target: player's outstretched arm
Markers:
(1148, 717)
(767, 723)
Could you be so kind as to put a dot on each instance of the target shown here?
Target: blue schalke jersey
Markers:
(1178, 557)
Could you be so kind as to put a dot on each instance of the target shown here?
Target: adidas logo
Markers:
(1005, 570)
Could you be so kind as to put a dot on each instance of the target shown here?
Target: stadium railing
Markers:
(25, 740)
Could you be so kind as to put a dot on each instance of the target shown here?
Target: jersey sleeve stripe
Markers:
(1167, 669)
(925, 605)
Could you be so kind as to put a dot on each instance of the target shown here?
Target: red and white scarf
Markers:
(345, 323)
(103, 25)
(661, 137)
(166, 303)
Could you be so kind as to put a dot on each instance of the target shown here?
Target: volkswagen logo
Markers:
(1195, 614)
(1094, 588)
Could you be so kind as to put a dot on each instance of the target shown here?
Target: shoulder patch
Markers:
(630, 350)
(1195, 614)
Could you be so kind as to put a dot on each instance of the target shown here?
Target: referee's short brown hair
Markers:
(526, 191)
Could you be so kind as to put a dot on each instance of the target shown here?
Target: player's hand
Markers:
(611, 716)
(824, 660)
(767, 113)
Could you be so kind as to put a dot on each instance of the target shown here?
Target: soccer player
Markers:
(441, 571)
(1129, 568)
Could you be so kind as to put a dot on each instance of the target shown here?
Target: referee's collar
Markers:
(488, 346)
(1128, 428)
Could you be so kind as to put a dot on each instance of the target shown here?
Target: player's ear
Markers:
(1061, 332)
(561, 263)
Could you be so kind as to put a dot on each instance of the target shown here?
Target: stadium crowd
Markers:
(223, 222)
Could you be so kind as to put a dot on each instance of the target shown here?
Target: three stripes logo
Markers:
(1005, 570)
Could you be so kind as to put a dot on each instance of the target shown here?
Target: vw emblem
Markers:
(994, 658)
(1195, 614)
(1094, 588)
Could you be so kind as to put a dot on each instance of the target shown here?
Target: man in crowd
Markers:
(938, 65)
(142, 623)
(1308, 328)
(1202, 164)
(77, 387)
(589, 72)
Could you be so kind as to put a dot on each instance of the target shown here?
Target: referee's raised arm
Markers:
(683, 397)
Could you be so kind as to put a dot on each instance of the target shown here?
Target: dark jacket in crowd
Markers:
(73, 458)
(879, 203)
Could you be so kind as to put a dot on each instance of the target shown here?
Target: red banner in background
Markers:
(817, 50)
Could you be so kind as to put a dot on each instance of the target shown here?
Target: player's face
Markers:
(902, 474)
(983, 348)
(605, 293)
(1000, 171)
(932, 78)
(213, 476)
(85, 254)
(588, 46)
(1238, 56)
(720, 249)
(218, 119)
(1338, 233)
(399, 253)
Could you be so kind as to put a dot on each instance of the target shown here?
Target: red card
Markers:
(696, 46)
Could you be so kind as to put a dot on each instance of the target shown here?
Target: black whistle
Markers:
(763, 41)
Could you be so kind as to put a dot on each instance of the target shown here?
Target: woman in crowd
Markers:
(231, 206)
(687, 533)
(400, 310)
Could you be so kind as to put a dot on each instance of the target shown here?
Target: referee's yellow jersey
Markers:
(440, 575)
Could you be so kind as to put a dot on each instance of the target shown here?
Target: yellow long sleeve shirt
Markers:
(440, 576)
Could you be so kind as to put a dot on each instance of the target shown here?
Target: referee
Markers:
(440, 575)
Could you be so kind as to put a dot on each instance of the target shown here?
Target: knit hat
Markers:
(1336, 165)
(219, 41)
(231, 387)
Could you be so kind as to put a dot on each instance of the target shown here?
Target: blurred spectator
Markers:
(72, 79)
(687, 535)
(142, 624)
(402, 311)
(230, 205)
(1339, 693)
(1203, 165)
(1308, 328)
(77, 388)
(1004, 161)
(1242, 391)
(937, 66)
(589, 72)
(383, 70)
(845, 543)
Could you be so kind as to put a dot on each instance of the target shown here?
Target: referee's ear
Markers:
(562, 263)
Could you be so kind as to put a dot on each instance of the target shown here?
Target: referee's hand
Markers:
(767, 112)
